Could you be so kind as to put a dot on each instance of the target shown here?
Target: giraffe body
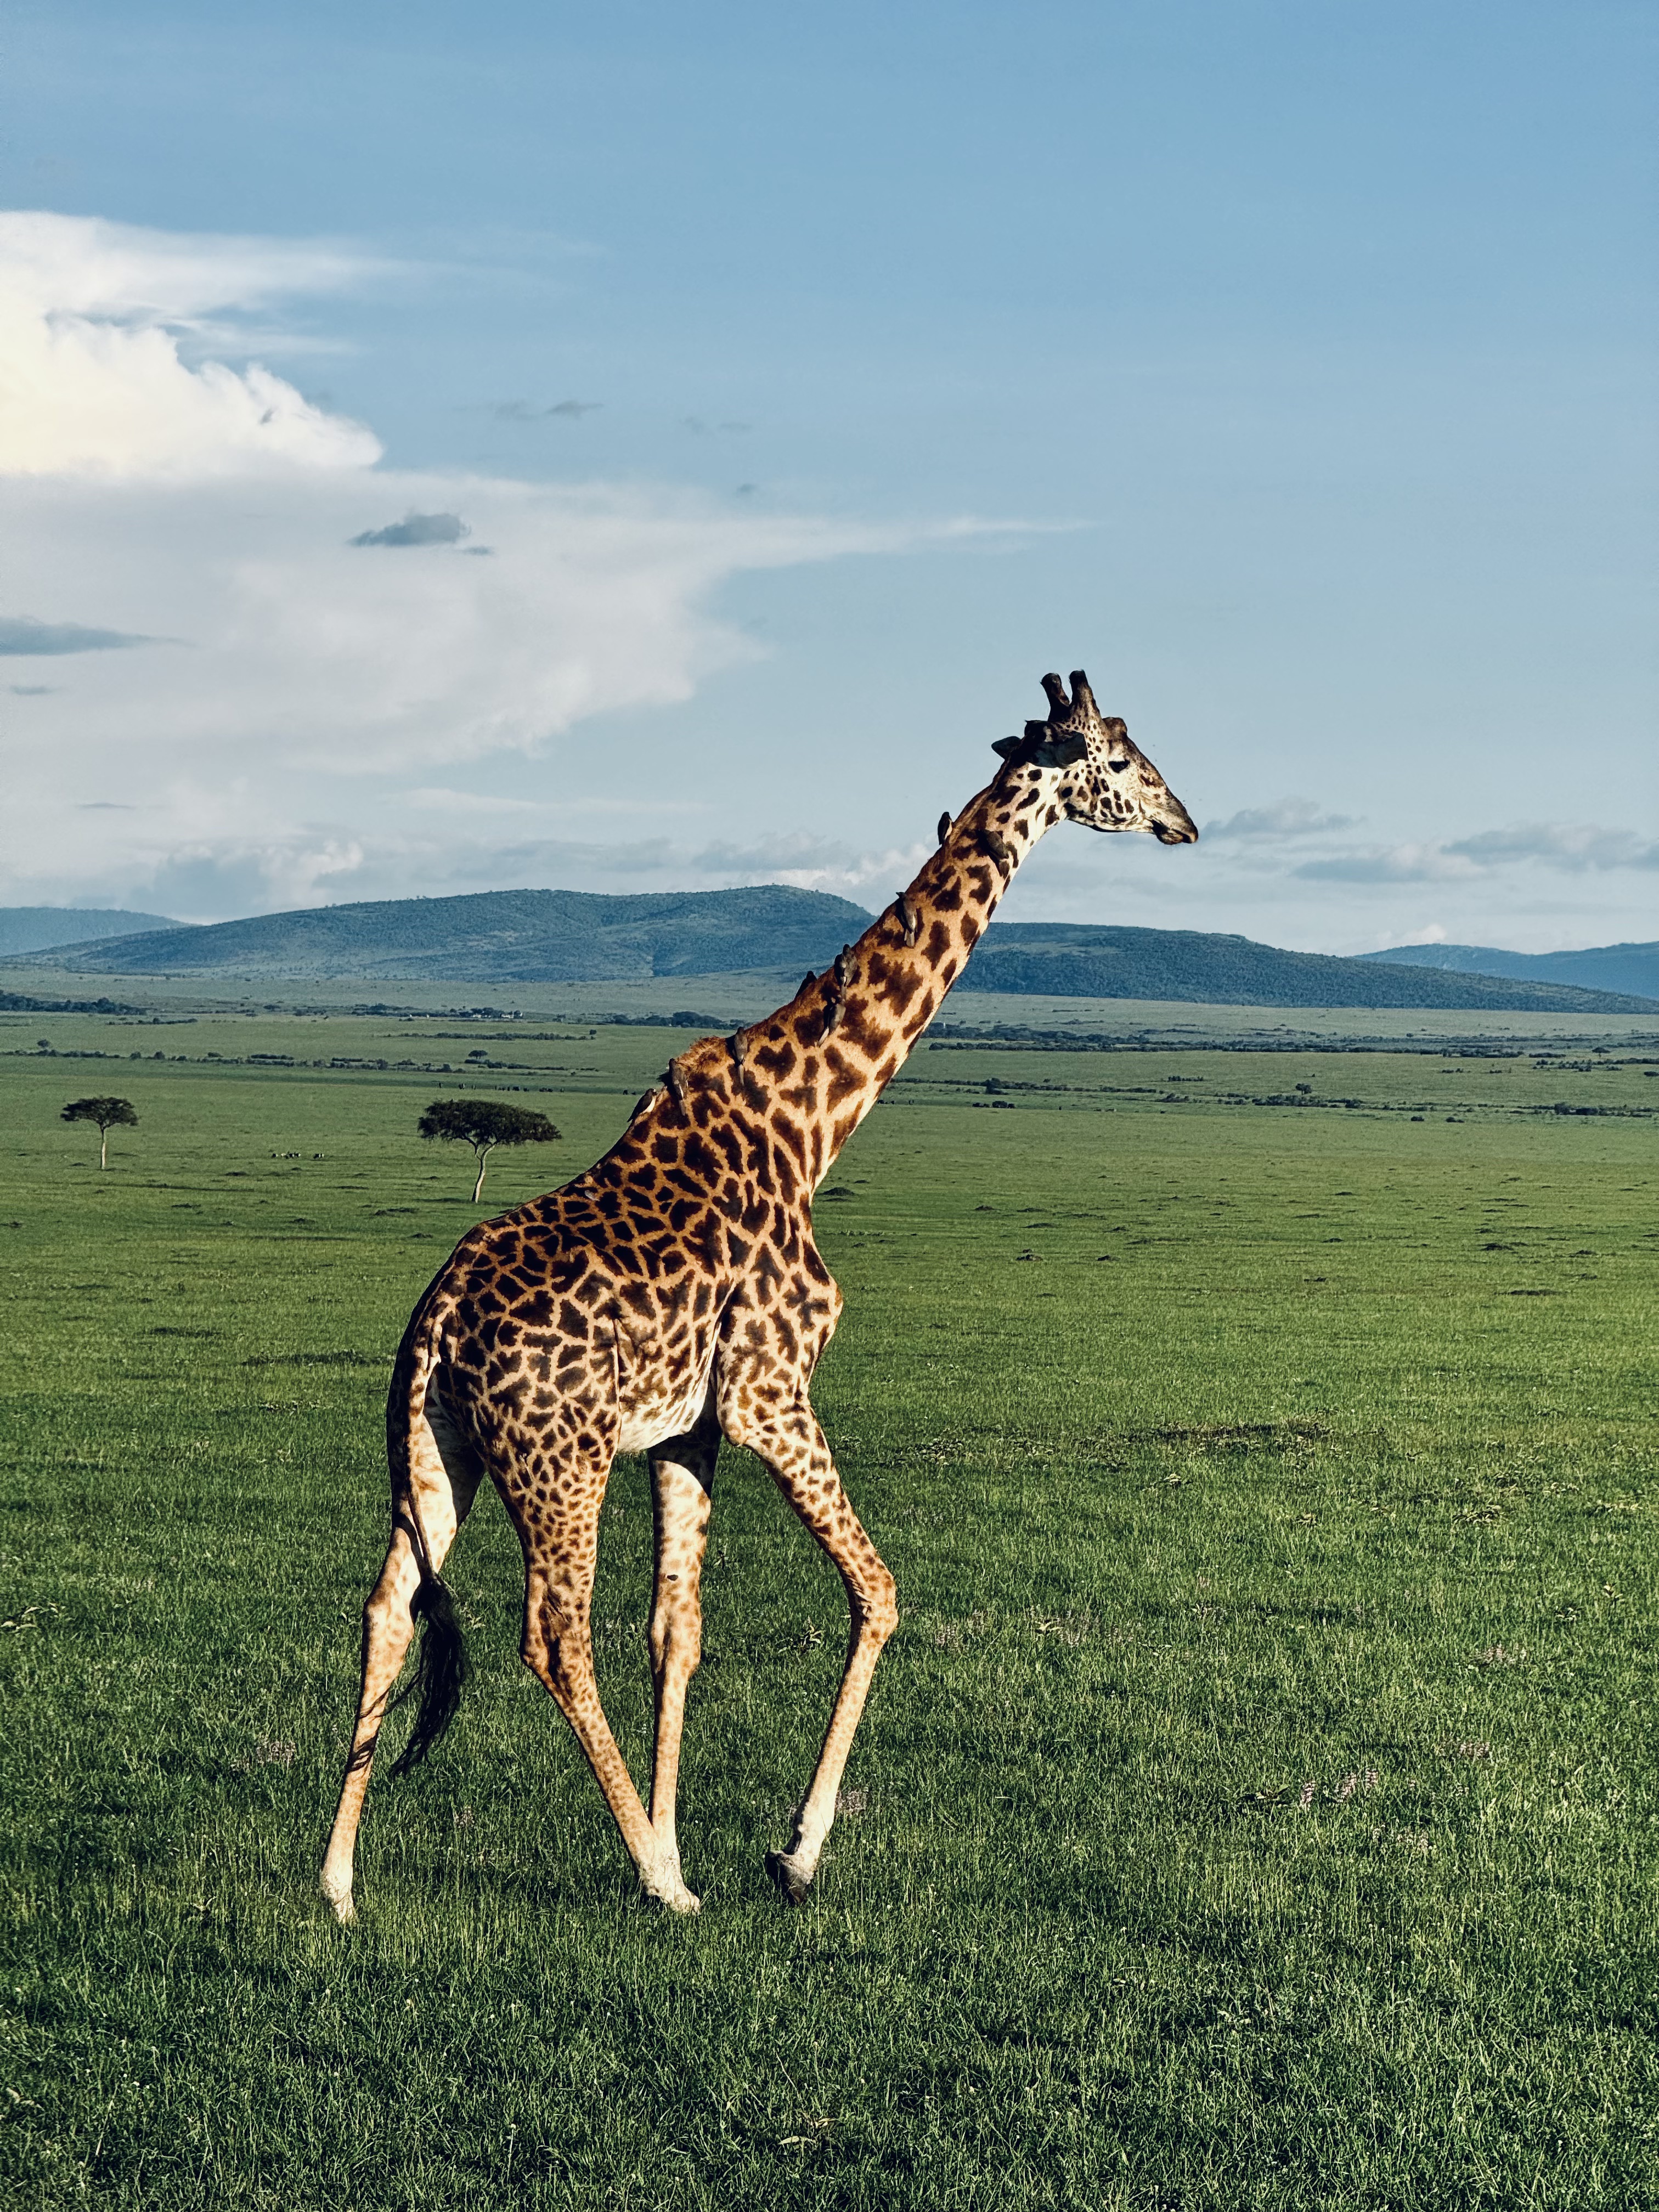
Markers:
(673, 1294)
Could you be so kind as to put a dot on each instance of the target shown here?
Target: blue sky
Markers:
(815, 380)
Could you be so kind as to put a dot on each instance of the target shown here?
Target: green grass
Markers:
(1256, 1806)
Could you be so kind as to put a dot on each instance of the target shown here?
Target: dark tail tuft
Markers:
(440, 1675)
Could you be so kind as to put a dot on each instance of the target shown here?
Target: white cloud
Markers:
(239, 875)
(299, 681)
(93, 319)
(295, 675)
(314, 719)
(294, 648)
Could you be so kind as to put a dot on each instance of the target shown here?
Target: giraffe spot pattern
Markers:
(674, 1293)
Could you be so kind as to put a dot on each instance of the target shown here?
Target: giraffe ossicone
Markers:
(673, 1295)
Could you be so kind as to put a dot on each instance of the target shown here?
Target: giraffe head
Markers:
(1105, 783)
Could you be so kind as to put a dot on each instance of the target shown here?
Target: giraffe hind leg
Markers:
(445, 1471)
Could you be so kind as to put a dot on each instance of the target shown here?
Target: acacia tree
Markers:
(483, 1123)
(108, 1113)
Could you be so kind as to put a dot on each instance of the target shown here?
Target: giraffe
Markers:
(673, 1295)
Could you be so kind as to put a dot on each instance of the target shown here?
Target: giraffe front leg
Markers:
(558, 1647)
(794, 1447)
(682, 1477)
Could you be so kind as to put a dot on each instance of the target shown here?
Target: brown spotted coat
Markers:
(674, 1293)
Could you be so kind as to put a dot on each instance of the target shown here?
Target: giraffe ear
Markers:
(1048, 747)
(1045, 746)
(1036, 734)
(1062, 749)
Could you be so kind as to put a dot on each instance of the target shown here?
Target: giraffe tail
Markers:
(439, 1676)
(440, 1666)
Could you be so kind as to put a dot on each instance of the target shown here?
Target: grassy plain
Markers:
(1255, 1808)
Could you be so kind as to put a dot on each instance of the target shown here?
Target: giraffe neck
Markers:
(833, 1050)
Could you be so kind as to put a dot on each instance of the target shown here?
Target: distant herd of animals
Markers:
(673, 1295)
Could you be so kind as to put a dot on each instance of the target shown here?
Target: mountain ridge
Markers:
(557, 936)
(1208, 967)
(498, 936)
(50, 929)
(1631, 967)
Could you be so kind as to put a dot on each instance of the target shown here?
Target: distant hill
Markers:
(500, 936)
(1080, 960)
(540, 937)
(39, 929)
(1598, 967)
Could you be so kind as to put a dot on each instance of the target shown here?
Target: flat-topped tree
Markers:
(108, 1113)
(483, 1123)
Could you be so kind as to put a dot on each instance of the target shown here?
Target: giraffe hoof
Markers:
(340, 1902)
(791, 1883)
(680, 1900)
(664, 1885)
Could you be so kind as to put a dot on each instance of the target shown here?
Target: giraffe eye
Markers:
(1117, 767)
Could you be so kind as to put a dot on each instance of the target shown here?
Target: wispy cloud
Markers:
(1391, 864)
(810, 863)
(1285, 817)
(209, 877)
(1573, 847)
(534, 412)
(446, 799)
(528, 410)
(22, 635)
(415, 529)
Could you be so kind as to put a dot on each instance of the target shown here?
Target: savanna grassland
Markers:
(1256, 1807)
